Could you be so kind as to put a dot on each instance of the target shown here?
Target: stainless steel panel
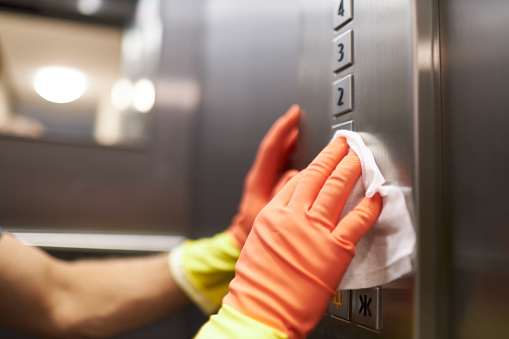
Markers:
(250, 79)
(397, 113)
(475, 75)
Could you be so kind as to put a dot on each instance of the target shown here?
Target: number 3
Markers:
(342, 55)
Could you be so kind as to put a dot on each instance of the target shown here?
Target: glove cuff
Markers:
(231, 324)
(204, 268)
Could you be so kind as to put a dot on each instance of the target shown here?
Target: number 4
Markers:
(341, 10)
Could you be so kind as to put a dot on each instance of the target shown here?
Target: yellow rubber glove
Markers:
(204, 268)
(297, 253)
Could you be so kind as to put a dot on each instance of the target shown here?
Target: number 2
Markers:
(341, 92)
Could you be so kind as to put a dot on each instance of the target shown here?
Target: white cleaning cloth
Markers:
(385, 253)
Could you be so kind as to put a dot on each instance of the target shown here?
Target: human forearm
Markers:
(91, 298)
(102, 298)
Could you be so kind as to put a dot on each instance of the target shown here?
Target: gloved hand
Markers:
(204, 268)
(297, 252)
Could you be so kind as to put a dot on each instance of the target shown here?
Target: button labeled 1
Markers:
(342, 51)
(342, 95)
(342, 12)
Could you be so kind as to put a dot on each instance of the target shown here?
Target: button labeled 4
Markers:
(342, 12)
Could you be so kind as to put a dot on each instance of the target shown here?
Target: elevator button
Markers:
(342, 95)
(342, 12)
(342, 49)
(347, 125)
(340, 306)
(366, 307)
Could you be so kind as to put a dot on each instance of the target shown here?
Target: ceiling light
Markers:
(144, 95)
(122, 94)
(89, 7)
(60, 84)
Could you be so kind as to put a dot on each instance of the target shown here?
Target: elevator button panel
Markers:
(342, 12)
(342, 57)
(340, 306)
(342, 95)
(366, 307)
(342, 51)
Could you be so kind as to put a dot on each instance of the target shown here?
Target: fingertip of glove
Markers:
(293, 109)
(351, 160)
(340, 142)
(373, 205)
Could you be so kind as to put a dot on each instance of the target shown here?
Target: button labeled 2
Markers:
(342, 95)
(342, 51)
(342, 12)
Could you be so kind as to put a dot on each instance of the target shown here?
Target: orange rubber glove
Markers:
(267, 170)
(204, 268)
(297, 253)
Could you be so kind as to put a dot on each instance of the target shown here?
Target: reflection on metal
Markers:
(114, 242)
(29, 43)
(60, 84)
(89, 7)
(128, 189)
(179, 93)
(104, 54)
(144, 95)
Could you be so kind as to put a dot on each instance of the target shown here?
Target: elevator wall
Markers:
(228, 71)
(475, 83)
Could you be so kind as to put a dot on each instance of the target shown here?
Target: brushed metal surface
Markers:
(251, 49)
(396, 111)
(475, 75)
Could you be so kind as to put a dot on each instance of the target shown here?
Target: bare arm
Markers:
(51, 298)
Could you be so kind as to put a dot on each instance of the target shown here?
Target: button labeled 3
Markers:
(342, 51)
(342, 12)
(342, 95)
